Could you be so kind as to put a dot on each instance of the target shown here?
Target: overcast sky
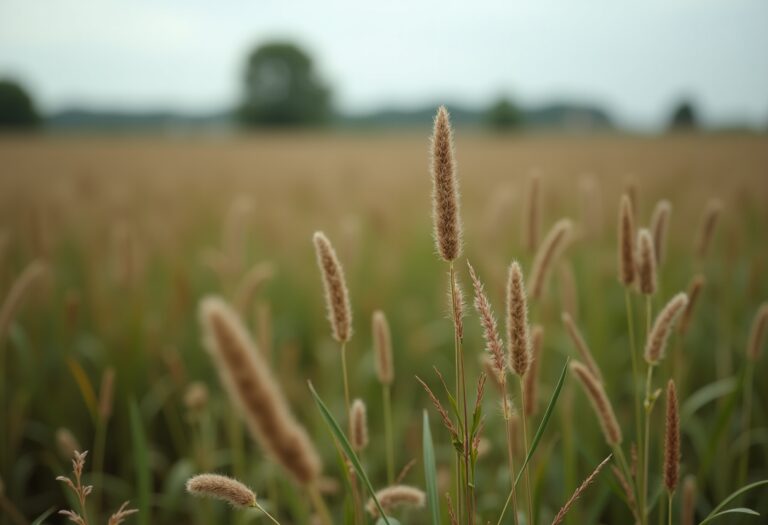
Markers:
(637, 58)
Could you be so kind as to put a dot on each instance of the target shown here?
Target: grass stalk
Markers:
(510, 452)
(525, 443)
(390, 445)
(746, 420)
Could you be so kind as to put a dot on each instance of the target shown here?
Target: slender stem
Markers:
(267, 514)
(98, 461)
(669, 509)
(388, 434)
(525, 443)
(510, 450)
(746, 417)
(635, 393)
(648, 314)
(320, 506)
(646, 441)
(346, 380)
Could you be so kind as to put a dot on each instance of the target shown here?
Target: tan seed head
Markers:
(223, 488)
(335, 285)
(445, 189)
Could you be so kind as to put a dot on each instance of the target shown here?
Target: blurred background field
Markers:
(155, 153)
(135, 230)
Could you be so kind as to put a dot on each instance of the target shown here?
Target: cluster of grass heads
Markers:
(101, 347)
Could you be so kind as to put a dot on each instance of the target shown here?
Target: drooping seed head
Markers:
(222, 488)
(396, 496)
(66, 443)
(531, 378)
(252, 388)
(659, 228)
(646, 263)
(626, 241)
(581, 346)
(549, 251)
(671, 440)
(657, 339)
(335, 285)
(694, 291)
(518, 340)
(757, 333)
(382, 347)
(708, 226)
(602, 406)
(358, 425)
(445, 189)
(493, 344)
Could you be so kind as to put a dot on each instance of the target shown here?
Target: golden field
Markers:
(134, 231)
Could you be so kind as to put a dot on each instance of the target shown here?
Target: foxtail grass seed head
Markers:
(518, 339)
(708, 227)
(382, 347)
(445, 189)
(602, 406)
(223, 488)
(579, 491)
(531, 378)
(626, 241)
(546, 256)
(252, 387)
(493, 344)
(396, 496)
(757, 333)
(358, 425)
(335, 285)
(20, 287)
(646, 263)
(689, 500)
(581, 346)
(659, 228)
(656, 344)
(533, 213)
(694, 291)
(671, 440)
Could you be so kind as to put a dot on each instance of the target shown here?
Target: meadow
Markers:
(108, 245)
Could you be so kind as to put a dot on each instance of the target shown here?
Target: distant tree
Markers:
(282, 88)
(17, 110)
(503, 115)
(684, 116)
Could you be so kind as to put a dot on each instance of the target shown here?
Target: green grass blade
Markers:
(539, 433)
(735, 495)
(42, 517)
(345, 445)
(430, 472)
(738, 510)
(141, 464)
(707, 394)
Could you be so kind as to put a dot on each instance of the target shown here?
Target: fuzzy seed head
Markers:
(382, 347)
(518, 340)
(662, 326)
(445, 189)
(694, 291)
(223, 488)
(493, 344)
(252, 387)
(646, 263)
(626, 241)
(396, 496)
(671, 440)
(358, 423)
(707, 229)
(335, 285)
(547, 255)
(602, 406)
(659, 228)
(757, 333)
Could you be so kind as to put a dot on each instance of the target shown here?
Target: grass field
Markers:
(134, 231)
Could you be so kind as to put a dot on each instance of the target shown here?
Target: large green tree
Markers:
(17, 110)
(282, 88)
